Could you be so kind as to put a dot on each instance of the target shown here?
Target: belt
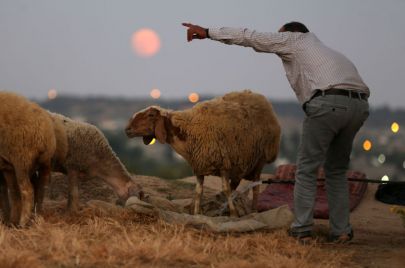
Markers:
(342, 92)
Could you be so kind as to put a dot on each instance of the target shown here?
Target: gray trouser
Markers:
(328, 131)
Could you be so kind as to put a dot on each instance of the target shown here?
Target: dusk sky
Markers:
(84, 47)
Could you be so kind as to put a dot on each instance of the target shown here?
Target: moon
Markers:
(145, 42)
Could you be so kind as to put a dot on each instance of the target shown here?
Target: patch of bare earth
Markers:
(122, 238)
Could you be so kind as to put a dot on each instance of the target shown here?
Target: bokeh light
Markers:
(385, 178)
(155, 93)
(152, 141)
(52, 94)
(381, 158)
(145, 42)
(367, 145)
(395, 127)
(193, 97)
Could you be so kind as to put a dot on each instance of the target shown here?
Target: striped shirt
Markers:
(309, 64)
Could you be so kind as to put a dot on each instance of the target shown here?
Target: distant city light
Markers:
(395, 127)
(193, 97)
(145, 42)
(152, 141)
(385, 178)
(381, 159)
(155, 93)
(367, 145)
(52, 93)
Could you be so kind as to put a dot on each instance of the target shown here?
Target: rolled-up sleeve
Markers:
(281, 44)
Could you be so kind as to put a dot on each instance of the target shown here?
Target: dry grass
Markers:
(122, 238)
(125, 239)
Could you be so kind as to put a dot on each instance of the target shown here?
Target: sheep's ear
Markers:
(160, 130)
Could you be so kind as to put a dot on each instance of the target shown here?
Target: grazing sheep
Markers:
(232, 136)
(27, 144)
(89, 154)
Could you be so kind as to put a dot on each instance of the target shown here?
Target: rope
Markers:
(269, 181)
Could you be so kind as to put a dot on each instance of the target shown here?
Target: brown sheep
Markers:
(27, 144)
(232, 136)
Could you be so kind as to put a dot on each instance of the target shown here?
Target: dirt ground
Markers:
(122, 239)
(379, 239)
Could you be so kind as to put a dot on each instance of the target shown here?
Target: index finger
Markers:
(187, 24)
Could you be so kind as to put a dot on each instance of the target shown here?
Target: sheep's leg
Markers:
(199, 187)
(254, 177)
(41, 186)
(5, 204)
(35, 185)
(26, 197)
(256, 191)
(14, 198)
(227, 190)
(73, 195)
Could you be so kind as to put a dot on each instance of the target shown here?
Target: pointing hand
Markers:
(195, 32)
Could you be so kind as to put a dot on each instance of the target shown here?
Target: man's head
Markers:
(294, 26)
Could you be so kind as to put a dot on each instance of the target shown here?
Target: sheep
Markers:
(38, 185)
(27, 145)
(89, 154)
(232, 136)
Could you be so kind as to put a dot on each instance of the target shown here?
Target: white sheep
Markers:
(27, 144)
(90, 155)
(232, 136)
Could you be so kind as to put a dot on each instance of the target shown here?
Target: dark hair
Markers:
(295, 26)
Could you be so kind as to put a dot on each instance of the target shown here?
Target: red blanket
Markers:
(277, 194)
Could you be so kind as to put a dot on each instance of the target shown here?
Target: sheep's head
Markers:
(133, 190)
(148, 124)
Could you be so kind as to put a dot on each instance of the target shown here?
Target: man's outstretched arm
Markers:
(279, 43)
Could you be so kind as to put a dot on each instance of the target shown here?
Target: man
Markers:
(334, 99)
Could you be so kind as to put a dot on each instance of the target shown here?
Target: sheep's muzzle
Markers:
(132, 134)
(132, 191)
